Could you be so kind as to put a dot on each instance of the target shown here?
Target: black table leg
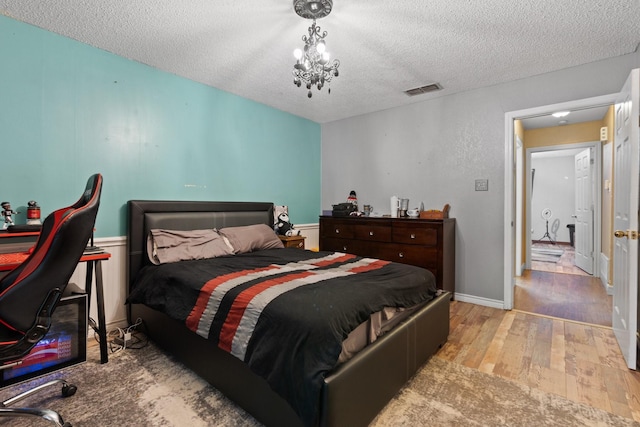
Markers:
(100, 327)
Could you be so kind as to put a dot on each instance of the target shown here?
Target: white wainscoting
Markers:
(114, 273)
(311, 232)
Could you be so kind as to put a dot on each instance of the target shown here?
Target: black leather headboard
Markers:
(143, 215)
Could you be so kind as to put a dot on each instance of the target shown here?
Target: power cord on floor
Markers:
(122, 338)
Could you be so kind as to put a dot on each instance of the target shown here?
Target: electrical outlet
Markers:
(482, 185)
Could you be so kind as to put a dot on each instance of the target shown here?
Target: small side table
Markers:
(293, 241)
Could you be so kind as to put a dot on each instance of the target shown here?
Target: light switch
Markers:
(482, 185)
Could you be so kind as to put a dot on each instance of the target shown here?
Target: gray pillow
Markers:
(249, 238)
(164, 246)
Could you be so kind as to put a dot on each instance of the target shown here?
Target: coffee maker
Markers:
(399, 207)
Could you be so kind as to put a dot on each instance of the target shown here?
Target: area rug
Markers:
(147, 388)
(546, 254)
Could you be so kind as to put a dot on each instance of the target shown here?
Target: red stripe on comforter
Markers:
(205, 294)
(242, 301)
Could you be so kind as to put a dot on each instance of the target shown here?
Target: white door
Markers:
(625, 222)
(583, 235)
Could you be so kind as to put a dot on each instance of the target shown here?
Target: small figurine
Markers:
(353, 198)
(284, 227)
(6, 213)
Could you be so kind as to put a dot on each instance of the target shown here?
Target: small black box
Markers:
(343, 209)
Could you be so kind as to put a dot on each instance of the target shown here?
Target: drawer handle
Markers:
(371, 233)
(337, 231)
(401, 255)
(413, 236)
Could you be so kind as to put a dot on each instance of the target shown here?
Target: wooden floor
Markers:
(562, 290)
(578, 361)
(567, 296)
(566, 263)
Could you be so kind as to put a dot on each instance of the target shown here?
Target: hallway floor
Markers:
(566, 296)
(562, 290)
(566, 264)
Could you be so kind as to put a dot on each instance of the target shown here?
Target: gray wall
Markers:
(553, 188)
(433, 151)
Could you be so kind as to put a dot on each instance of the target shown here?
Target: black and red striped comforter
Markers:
(284, 312)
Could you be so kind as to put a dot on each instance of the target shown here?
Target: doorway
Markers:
(563, 190)
(560, 197)
(513, 228)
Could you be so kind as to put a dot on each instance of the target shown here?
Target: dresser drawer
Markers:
(337, 229)
(425, 236)
(414, 255)
(375, 233)
(342, 245)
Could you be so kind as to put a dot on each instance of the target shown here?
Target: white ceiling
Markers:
(575, 116)
(384, 46)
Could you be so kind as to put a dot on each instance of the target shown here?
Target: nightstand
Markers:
(293, 241)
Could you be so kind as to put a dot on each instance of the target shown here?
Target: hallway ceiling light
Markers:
(561, 114)
(313, 67)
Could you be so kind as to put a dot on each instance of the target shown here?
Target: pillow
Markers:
(165, 246)
(250, 238)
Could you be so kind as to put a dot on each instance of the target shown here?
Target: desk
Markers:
(94, 265)
(17, 242)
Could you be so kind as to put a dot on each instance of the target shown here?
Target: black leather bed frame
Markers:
(353, 394)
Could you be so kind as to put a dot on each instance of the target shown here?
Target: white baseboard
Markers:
(479, 300)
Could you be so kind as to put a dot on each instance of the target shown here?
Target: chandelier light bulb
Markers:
(321, 48)
(297, 53)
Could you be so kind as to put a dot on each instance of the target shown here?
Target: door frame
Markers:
(509, 177)
(597, 202)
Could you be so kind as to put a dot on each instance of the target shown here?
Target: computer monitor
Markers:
(64, 345)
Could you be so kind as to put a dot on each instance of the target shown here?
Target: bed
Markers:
(351, 393)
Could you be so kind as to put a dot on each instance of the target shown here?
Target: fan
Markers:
(546, 214)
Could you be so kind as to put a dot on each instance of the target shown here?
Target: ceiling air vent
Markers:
(424, 89)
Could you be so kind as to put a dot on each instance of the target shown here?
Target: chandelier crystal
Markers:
(313, 66)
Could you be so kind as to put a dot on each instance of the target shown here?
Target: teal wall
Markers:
(68, 110)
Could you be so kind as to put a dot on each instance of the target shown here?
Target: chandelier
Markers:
(313, 66)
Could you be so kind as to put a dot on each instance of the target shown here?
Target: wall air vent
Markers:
(424, 89)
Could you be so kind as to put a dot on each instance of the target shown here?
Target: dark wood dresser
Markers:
(428, 243)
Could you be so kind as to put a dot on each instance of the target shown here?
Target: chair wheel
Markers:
(68, 390)
(67, 425)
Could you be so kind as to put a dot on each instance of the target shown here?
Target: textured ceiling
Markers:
(384, 46)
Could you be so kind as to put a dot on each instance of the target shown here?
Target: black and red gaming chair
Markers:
(30, 293)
